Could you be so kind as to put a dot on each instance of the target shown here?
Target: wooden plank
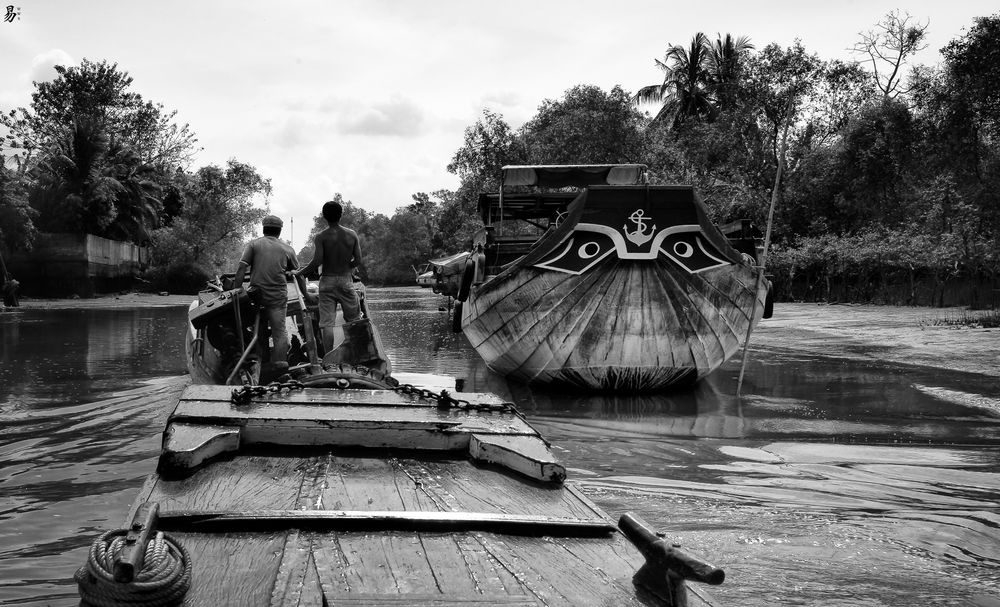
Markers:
(346, 417)
(460, 486)
(372, 398)
(528, 455)
(555, 570)
(187, 446)
(353, 520)
(232, 569)
(239, 484)
(291, 586)
(366, 484)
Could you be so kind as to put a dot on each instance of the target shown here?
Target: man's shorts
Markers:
(333, 290)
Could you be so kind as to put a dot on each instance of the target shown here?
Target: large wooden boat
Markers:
(587, 277)
(318, 496)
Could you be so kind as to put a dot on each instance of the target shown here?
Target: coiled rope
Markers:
(163, 581)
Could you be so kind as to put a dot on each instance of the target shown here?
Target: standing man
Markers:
(338, 251)
(269, 259)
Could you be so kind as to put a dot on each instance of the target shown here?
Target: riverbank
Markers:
(903, 335)
(124, 300)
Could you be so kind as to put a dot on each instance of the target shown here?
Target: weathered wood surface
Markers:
(620, 325)
(365, 482)
(295, 567)
(303, 564)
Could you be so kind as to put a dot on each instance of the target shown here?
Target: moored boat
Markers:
(448, 273)
(604, 282)
(424, 275)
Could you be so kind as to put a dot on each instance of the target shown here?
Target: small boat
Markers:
(287, 495)
(225, 343)
(587, 277)
(448, 273)
(425, 276)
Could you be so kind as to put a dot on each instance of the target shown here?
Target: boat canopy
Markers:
(579, 175)
(451, 260)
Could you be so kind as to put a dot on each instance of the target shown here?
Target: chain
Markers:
(242, 396)
(447, 401)
(444, 400)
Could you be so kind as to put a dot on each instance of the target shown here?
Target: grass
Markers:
(989, 319)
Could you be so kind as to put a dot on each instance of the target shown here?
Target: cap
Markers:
(272, 221)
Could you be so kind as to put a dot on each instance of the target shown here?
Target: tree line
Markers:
(888, 170)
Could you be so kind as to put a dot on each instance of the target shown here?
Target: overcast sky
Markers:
(371, 98)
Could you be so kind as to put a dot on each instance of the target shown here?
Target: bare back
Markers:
(338, 250)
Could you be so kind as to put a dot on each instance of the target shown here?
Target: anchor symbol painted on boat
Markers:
(640, 236)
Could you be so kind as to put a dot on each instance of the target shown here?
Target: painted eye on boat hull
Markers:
(579, 253)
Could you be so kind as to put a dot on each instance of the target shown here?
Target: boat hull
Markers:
(623, 325)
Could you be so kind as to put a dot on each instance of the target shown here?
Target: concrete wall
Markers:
(62, 265)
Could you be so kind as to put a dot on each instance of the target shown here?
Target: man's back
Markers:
(269, 259)
(339, 245)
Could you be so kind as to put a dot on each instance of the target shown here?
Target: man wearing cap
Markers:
(269, 259)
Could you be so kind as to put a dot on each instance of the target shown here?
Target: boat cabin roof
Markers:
(573, 175)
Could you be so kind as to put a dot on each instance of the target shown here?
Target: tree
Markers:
(726, 64)
(972, 65)
(685, 90)
(100, 94)
(587, 126)
(404, 243)
(893, 40)
(87, 182)
(17, 229)
(221, 209)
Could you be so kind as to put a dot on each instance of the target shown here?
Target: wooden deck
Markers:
(406, 520)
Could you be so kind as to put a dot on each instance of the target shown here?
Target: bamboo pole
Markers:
(767, 236)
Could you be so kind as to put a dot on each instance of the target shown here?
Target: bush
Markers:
(185, 278)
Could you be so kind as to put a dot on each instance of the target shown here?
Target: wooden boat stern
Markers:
(207, 424)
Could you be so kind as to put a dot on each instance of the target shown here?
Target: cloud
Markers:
(42, 65)
(397, 117)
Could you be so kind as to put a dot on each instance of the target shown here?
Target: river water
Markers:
(828, 482)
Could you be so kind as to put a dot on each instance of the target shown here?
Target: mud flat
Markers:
(105, 302)
(904, 335)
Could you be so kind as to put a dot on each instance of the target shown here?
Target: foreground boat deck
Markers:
(453, 506)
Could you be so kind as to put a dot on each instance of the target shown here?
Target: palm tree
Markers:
(725, 67)
(137, 202)
(699, 80)
(72, 194)
(685, 90)
(88, 183)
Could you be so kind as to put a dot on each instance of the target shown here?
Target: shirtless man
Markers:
(338, 251)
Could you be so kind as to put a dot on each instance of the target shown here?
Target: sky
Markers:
(371, 98)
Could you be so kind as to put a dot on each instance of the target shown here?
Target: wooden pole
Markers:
(767, 236)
